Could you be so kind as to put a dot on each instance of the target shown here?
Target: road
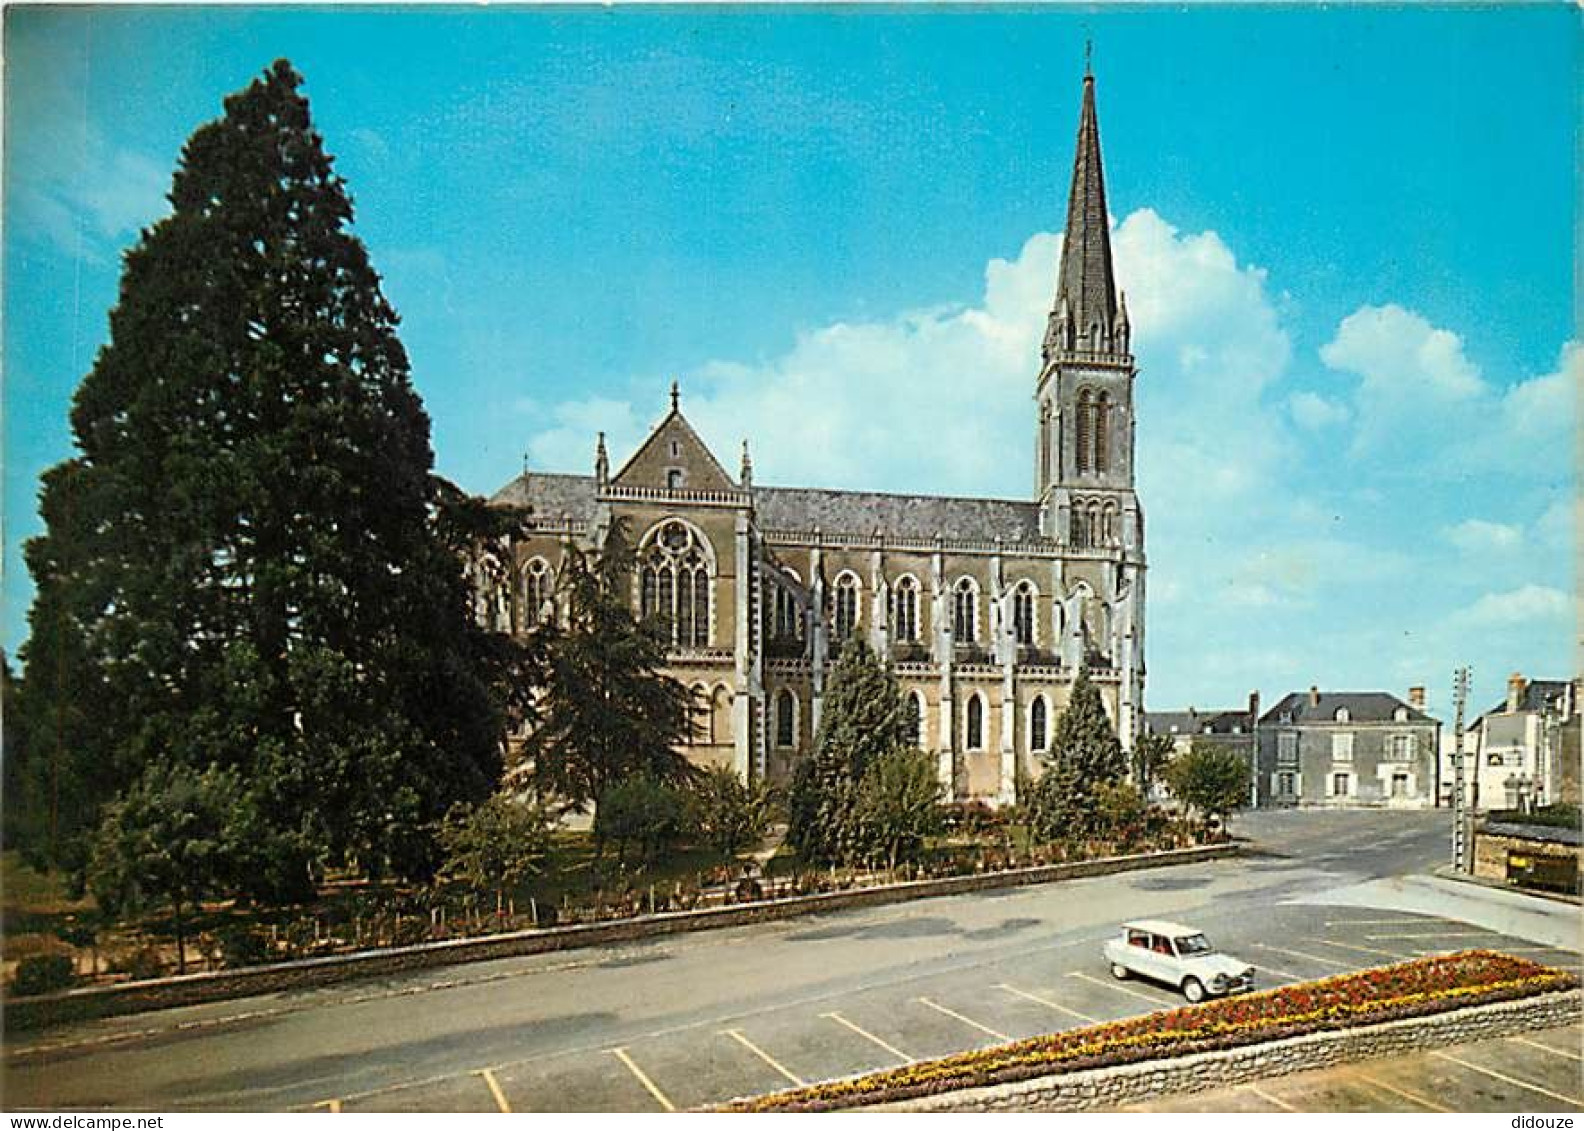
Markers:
(698, 1019)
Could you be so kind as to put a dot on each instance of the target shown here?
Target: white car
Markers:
(1179, 956)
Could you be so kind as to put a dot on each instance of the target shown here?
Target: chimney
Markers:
(1314, 696)
(1254, 704)
(1416, 698)
(1515, 690)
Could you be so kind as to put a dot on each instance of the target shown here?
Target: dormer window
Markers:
(1400, 714)
(1343, 715)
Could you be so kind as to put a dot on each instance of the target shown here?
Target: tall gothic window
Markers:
(1023, 613)
(975, 736)
(965, 611)
(846, 605)
(786, 718)
(905, 619)
(1077, 526)
(1100, 426)
(1037, 736)
(1084, 427)
(786, 623)
(674, 586)
(536, 592)
(913, 725)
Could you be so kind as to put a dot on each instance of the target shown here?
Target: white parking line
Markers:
(1364, 949)
(1268, 1098)
(964, 1020)
(1545, 1048)
(1574, 1100)
(643, 1078)
(1047, 1003)
(1433, 935)
(1376, 922)
(868, 1036)
(1411, 1097)
(736, 1035)
(1120, 989)
(1308, 957)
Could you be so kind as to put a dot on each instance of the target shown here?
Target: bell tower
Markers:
(1084, 443)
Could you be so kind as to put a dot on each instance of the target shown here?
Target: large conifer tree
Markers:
(241, 567)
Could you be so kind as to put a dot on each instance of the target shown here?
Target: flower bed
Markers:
(1409, 989)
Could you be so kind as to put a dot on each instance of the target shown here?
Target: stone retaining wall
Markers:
(1206, 1071)
(195, 989)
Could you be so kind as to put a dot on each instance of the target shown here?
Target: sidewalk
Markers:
(1546, 921)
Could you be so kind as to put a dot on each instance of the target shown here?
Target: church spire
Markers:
(1083, 316)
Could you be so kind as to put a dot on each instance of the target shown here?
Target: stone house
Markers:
(1350, 748)
(1524, 751)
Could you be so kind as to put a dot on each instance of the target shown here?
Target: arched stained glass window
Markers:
(786, 718)
(674, 585)
(905, 616)
(975, 727)
(965, 611)
(1037, 736)
(1023, 613)
(846, 606)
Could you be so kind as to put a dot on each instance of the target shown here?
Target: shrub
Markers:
(641, 813)
(731, 814)
(140, 962)
(242, 945)
(1211, 780)
(899, 804)
(42, 974)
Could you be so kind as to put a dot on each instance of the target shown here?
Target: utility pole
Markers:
(1460, 688)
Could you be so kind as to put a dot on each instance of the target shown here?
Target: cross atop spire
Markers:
(1083, 317)
(676, 395)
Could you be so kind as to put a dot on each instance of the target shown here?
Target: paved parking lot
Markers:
(933, 1014)
(1540, 1071)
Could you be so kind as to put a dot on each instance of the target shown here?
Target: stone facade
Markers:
(1347, 749)
(1101, 1088)
(986, 608)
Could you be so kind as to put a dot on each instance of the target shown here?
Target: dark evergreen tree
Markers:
(242, 566)
(604, 710)
(865, 716)
(1084, 754)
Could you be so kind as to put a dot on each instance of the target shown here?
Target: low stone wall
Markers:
(1496, 845)
(195, 989)
(1150, 1080)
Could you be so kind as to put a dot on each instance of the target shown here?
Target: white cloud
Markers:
(1401, 356)
(1477, 536)
(1315, 412)
(1527, 604)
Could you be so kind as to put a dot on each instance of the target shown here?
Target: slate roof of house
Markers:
(1537, 695)
(810, 508)
(1195, 722)
(1362, 707)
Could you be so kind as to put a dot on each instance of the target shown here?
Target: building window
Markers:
(1341, 747)
(1399, 785)
(965, 611)
(1287, 749)
(1343, 715)
(785, 622)
(1023, 613)
(674, 587)
(905, 617)
(1401, 748)
(975, 737)
(1400, 714)
(1340, 784)
(1078, 527)
(1037, 736)
(674, 480)
(846, 606)
(1099, 426)
(537, 607)
(1287, 784)
(1084, 428)
(913, 724)
(786, 718)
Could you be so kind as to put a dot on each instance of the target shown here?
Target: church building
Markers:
(985, 608)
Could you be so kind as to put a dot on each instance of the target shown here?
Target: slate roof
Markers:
(1194, 722)
(1086, 279)
(1537, 695)
(1362, 706)
(808, 508)
(905, 516)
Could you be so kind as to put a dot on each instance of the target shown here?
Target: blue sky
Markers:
(1346, 236)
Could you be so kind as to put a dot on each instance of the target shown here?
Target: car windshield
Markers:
(1193, 944)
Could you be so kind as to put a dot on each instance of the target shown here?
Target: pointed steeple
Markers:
(601, 463)
(1083, 317)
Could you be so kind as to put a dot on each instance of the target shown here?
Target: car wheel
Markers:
(1193, 989)
(1118, 971)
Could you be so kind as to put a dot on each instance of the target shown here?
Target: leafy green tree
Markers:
(606, 711)
(1211, 780)
(1151, 755)
(495, 845)
(641, 813)
(899, 804)
(732, 814)
(864, 716)
(1120, 810)
(1055, 807)
(1087, 751)
(242, 565)
(168, 842)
